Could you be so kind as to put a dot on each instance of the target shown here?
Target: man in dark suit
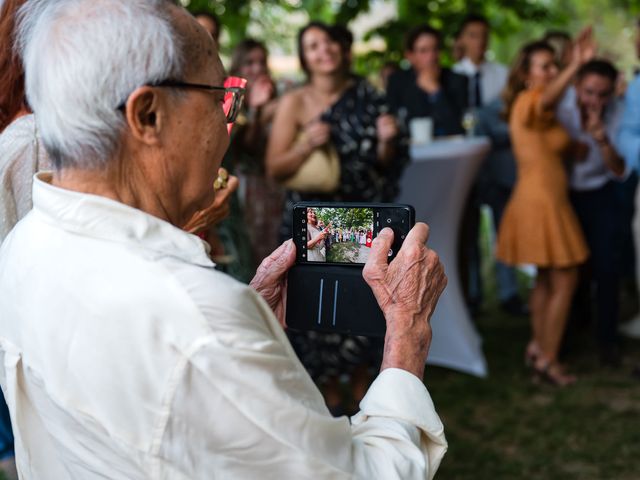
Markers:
(427, 89)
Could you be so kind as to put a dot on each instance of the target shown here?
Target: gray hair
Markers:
(82, 59)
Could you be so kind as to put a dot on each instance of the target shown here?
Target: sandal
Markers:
(553, 374)
(531, 354)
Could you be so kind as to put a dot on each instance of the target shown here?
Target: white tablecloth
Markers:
(436, 183)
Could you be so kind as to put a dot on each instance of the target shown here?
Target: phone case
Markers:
(334, 297)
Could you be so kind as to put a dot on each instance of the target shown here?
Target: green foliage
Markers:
(514, 22)
(346, 217)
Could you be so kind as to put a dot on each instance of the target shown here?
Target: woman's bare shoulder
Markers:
(294, 98)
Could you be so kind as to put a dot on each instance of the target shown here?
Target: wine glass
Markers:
(469, 122)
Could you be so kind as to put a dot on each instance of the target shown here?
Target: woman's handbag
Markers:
(319, 173)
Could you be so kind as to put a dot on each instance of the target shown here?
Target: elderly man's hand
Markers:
(271, 278)
(407, 291)
(216, 212)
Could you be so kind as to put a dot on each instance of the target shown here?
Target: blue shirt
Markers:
(628, 143)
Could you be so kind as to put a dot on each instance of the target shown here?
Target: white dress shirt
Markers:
(591, 173)
(493, 78)
(125, 355)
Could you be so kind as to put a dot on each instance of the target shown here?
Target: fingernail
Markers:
(289, 245)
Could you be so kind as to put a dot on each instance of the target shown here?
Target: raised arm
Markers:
(583, 50)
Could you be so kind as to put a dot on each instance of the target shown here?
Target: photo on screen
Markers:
(339, 235)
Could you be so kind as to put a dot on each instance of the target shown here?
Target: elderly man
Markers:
(124, 353)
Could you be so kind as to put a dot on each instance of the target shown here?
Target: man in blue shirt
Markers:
(629, 147)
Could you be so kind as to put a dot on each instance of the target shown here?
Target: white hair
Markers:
(82, 59)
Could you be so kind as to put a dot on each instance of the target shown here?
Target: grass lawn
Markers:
(505, 427)
(344, 252)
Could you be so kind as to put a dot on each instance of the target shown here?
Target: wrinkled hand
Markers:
(260, 92)
(407, 291)
(270, 280)
(317, 133)
(216, 212)
(386, 127)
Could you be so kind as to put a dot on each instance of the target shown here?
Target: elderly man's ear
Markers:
(145, 115)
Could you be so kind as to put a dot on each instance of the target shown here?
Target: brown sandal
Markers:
(552, 374)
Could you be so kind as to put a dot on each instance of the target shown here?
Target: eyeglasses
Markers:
(231, 102)
(233, 94)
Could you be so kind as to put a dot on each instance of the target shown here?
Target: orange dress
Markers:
(539, 225)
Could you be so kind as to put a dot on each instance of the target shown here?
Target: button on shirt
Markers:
(493, 78)
(125, 355)
(591, 173)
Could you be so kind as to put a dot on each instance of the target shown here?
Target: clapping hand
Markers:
(386, 128)
(594, 125)
(260, 92)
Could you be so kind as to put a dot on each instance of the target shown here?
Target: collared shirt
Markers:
(126, 355)
(493, 78)
(628, 143)
(591, 173)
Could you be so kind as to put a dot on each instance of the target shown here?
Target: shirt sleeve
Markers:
(244, 407)
(628, 138)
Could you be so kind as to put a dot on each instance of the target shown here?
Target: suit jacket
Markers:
(500, 166)
(446, 107)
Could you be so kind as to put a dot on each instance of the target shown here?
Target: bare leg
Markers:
(538, 305)
(562, 286)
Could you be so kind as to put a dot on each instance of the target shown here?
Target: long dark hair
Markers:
(517, 79)
(336, 34)
(12, 96)
(240, 52)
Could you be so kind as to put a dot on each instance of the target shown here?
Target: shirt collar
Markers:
(470, 67)
(106, 219)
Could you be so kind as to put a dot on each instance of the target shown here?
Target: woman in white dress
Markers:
(315, 238)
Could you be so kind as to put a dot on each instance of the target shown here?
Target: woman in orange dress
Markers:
(539, 226)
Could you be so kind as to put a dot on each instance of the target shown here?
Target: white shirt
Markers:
(493, 78)
(591, 173)
(126, 355)
(317, 253)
